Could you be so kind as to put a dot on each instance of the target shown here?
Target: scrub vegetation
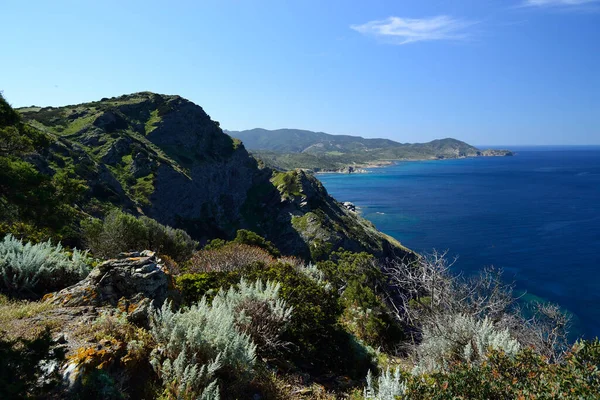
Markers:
(303, 300)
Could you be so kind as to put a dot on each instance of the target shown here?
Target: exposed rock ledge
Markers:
(133, 278)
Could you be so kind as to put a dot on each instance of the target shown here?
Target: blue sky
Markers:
(484, 71)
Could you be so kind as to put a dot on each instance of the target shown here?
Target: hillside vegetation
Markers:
(146, 255)
(163, 157)
(293, 148)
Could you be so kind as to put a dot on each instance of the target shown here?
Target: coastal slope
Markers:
(293, 148)
(162, 156)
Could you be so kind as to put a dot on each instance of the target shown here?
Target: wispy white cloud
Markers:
(409, 30)
(557, 3)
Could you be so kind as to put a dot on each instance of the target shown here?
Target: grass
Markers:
(79, 124)
(287, 183)
(13, 314)
(127, 160)
(152, 122)
(29, 109)
(236, 143)
(301, 223)
(19, 309)
(143, 188)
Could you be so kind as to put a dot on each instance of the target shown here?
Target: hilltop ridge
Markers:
(164, 157)
(319, 151)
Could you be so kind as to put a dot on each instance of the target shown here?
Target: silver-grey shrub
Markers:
(31, 270)
(199, 344)
(461, 338)
(259, 311)
(390, 386)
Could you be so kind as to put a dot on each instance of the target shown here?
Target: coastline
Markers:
(363, 168)
(444, 215)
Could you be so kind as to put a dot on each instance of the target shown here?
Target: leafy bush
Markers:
(316, 309)
(36, 199)
(250, 238)
(229, 257)
(358, 279)
(205, 284)
(316, 341)
(460, 338)
(120, 232)
(29, 197)
(346, 266)
(31, 270)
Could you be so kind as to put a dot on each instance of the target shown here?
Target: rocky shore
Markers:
(363, 168)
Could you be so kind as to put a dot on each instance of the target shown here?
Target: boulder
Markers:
(349, 206)
(111, 121)
(132, 279)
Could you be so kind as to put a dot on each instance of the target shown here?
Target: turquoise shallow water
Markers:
(536, 215)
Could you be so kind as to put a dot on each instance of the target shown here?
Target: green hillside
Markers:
(163, 157)
(318, 151)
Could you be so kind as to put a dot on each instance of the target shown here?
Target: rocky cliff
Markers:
(163, 156)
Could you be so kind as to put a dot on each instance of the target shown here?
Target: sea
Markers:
(536, 215)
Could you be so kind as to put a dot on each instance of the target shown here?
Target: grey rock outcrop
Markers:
(132, 279)
(116, 151)
(142, 165)
(349, 206)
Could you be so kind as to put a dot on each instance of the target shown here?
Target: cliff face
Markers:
(164, 157)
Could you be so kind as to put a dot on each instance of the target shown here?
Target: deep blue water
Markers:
(536, 215)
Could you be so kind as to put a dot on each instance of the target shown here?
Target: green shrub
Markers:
(250, 238)
(525, 375)
(31, 197)
(316, 309)
(215, 244)
(175, 243)
(357, 277)
(29, 270)
(346, 266)
(41, 201)
(367, 316)
(120, 232)
(316, 341)
(195, 286)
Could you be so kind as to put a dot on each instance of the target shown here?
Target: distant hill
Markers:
(301, 141)
(319, 151)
